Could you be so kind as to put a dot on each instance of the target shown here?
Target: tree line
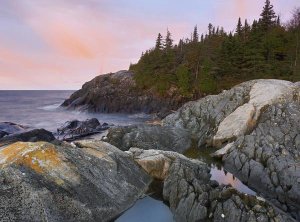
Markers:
(217, 60)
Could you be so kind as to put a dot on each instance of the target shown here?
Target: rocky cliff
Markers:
(118, 93)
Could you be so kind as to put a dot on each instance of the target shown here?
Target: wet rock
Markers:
(28, 136)
(7, 128)
(150, 137)
(117, 93)
(92, 181)
(76, 129)
(193, 197)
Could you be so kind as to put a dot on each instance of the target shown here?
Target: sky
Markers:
(61, 44)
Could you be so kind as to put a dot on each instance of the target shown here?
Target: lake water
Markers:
(40, 109)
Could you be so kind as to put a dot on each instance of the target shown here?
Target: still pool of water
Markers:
(147, 210)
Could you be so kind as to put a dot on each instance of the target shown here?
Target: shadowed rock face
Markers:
(193, 197)
(117, 93)
(93, 181)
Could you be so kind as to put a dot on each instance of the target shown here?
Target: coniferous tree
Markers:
(168, 41)
(278, 22)
(268, 16)
(239, 28)
(158, 44)
(195, 35)
(202, 38)
(210, 29)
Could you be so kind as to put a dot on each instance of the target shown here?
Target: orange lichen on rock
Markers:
(41, 157)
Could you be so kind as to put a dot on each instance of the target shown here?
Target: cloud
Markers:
(62, 44)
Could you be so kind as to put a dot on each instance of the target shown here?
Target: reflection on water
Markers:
(226, 178)
(147, 210)
(218, 173)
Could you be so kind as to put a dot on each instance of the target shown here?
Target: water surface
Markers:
(40, 109)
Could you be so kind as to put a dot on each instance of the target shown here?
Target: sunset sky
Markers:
(60, 44)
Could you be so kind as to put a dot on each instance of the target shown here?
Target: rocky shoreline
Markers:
(118, 93)
(255, 126)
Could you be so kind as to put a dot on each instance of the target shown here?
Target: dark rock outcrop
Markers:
(117, 93)
(150, 137)
(7, 128)
(92, 181)
(76, 129)
(28, 136)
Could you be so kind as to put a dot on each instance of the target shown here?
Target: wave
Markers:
(50, 107)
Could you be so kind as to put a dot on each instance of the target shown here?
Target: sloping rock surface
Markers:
(92, 181)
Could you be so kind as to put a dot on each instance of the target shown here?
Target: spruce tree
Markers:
(195, 35)
(239, 28)
(268, 16)
(158, 44)
(210, 29)
(168, 41)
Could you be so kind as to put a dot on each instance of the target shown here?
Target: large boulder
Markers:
(89, 181)
(150, 137)
(194, 197)
(117, 92)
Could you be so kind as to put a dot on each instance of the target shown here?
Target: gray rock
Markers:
(271, 163)
(93, 181)
(150, 137)
(203, 117)
(7, 128)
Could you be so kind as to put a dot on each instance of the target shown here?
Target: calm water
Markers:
(147, 210)
(40, 109)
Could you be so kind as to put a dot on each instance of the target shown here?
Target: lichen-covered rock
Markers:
(150, 137)
(268, 159)
(92, 181)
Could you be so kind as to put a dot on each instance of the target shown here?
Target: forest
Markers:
(216, 60)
